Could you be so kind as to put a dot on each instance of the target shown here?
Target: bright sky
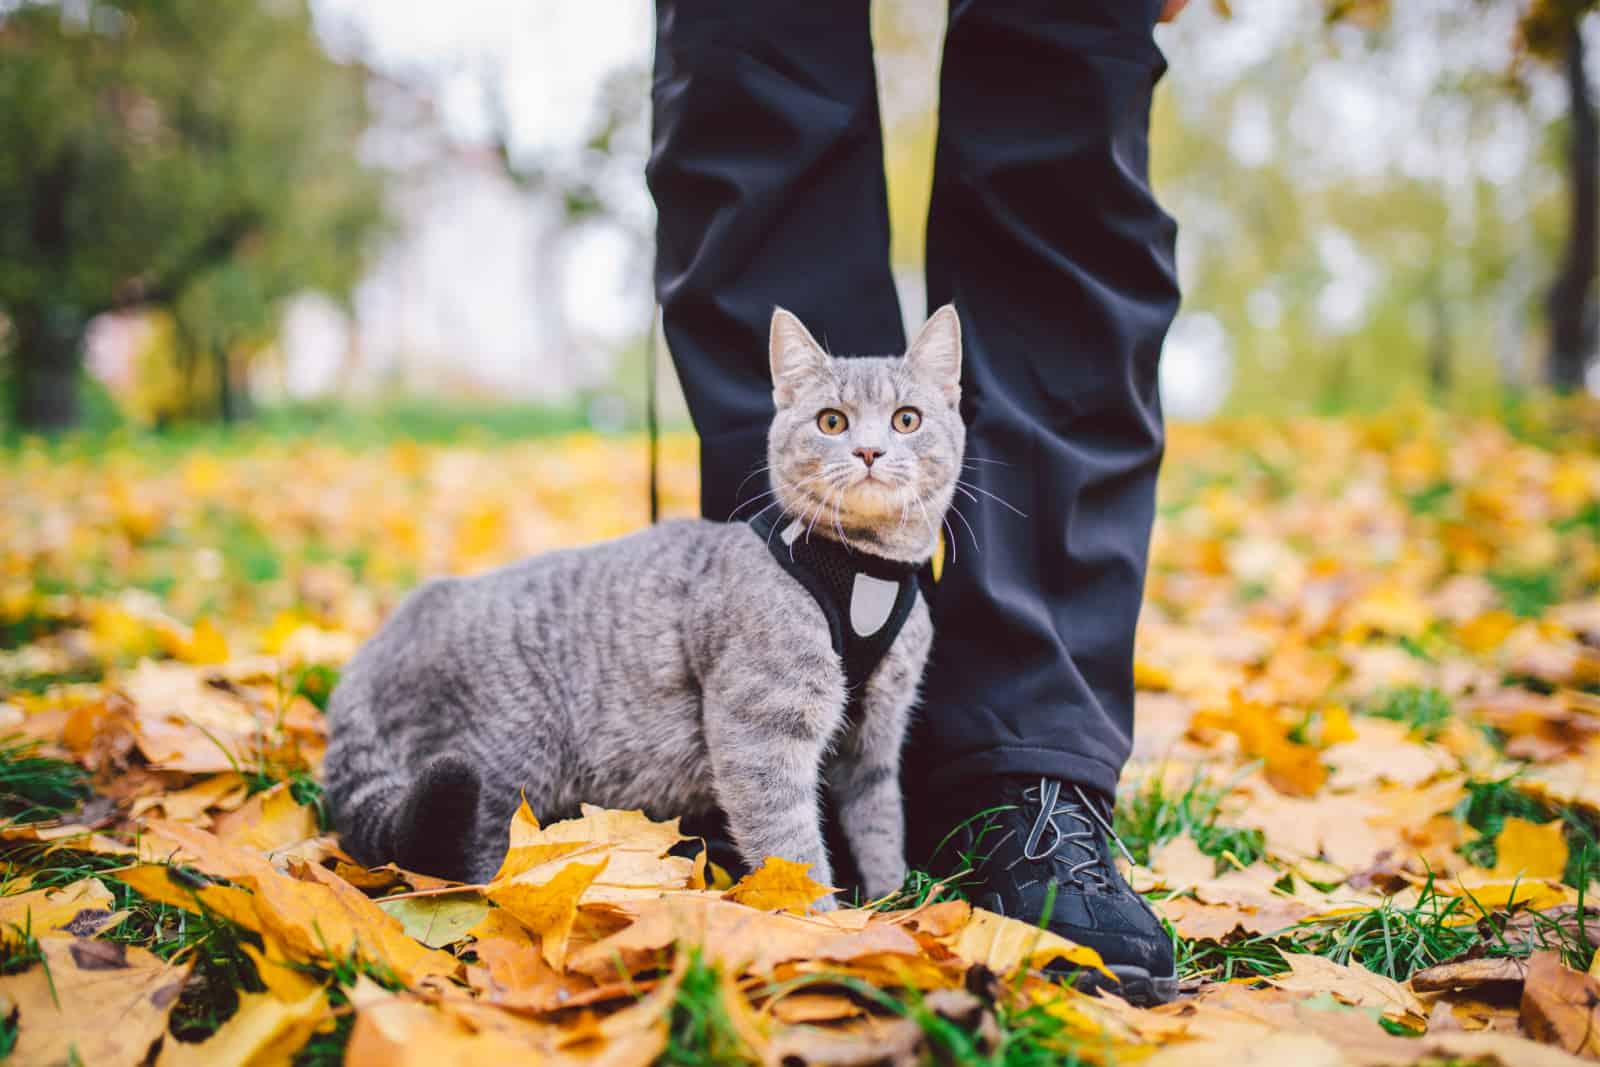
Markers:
(553, 54)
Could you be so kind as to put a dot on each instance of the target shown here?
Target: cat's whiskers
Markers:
(822, 505)
(790, 487)
(744, 503)
(953, 510)
(933, 535)
(964, 486)
(838, 526)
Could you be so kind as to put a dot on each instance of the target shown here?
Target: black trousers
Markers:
(767, 171)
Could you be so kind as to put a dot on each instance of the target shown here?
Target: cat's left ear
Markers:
(935, 355)
(795, 356)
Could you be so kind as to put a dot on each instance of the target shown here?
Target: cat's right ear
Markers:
(795, 356)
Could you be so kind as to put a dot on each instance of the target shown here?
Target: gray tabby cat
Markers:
(674, 669)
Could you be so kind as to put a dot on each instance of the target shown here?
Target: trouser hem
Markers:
(970, 775)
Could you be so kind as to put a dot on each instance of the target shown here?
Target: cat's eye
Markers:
(907, 419)
(831, 422)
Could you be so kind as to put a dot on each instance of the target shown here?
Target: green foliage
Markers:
(318, 681)
(19, 949)
(1487, 806)
(1149, 816)
(326, 1047)
(1425, 711)
(1396, 941)
(197, 155)
(1527, 594)
(303, 787)
(34, 787)
(700, 1033)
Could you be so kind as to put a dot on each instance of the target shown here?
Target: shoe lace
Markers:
(1084, 824)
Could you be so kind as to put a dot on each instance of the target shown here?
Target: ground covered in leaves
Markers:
(1366, 794)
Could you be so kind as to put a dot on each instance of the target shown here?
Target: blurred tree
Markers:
(1571, 298)
(200, 155)
(1550, 31)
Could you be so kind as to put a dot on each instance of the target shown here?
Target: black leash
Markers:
(652, 429)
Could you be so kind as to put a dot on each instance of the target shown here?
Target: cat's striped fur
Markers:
(671, 670)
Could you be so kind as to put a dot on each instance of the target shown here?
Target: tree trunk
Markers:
(45, 360)
(233, 387)
(1572, 320)
(1439, 350)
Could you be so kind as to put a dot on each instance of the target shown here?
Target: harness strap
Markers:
(865, 598)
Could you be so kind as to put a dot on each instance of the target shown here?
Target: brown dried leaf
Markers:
(1351, 984)
(65, 1003)
(1469, 974)
(1561, 1006)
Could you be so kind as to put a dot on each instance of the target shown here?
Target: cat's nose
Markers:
(867, 455)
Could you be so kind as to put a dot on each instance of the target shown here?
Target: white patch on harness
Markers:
(792, 534)
(871, 604)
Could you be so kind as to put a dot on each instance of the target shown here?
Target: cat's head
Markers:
(867, 449)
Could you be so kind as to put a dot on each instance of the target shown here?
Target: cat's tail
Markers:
(427, 824)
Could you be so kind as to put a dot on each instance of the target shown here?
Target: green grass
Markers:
(326, 1048)
(1424, 711)
(19, 950)
(1150, 816)
(699, 1031)
(920, 888)
(1430, 500)
(303, 787)
(316, 683)
(1398, 941)
(1393, 940)
(1527, 594)
(35, 787)
(221, 968)
(350, 426)
(1487, 806)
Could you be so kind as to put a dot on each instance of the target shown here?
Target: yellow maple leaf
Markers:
(268, 1028)
(634, 847)
(778, 885)
(549, 908)
(204, 645)
(1336, 726)
(1005, 945)
(1527, 849)
(268, 821)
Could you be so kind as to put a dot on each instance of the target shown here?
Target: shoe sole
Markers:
(1135, 985)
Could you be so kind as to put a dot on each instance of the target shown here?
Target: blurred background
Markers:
(218, 210)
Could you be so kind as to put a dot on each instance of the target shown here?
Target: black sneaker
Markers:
(1044, 832)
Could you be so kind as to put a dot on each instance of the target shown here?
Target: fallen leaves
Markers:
(268, 1029)
(91, 1002)
(778, 885)
(1004, 945)
(1561, 1006)
(1351, 984)
(1350, 639)
(548, 908)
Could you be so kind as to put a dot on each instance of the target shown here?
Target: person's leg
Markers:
(1044, 232)
(767, 172)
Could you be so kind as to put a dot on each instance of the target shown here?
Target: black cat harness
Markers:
(865, 598)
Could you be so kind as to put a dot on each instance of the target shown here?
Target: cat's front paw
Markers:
(827, 903)
(884, 883)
